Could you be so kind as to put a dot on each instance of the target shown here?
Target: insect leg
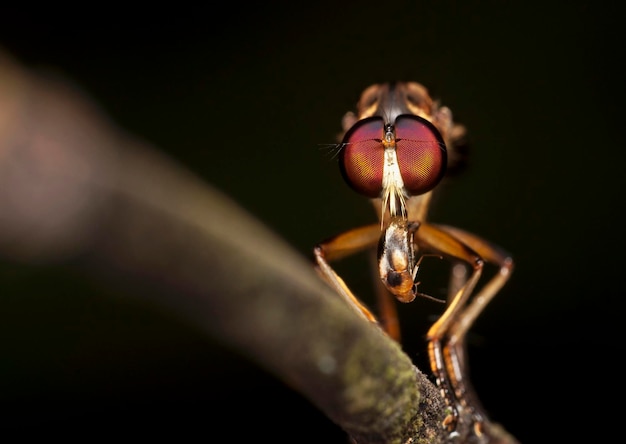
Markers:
(454, 349)
(340, 246)
(430, 237)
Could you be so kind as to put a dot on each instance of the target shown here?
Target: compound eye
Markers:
(362, 156)
(421, 152)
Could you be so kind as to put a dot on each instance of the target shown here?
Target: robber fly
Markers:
(395, 150)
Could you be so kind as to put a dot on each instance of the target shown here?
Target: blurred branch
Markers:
(76, 189)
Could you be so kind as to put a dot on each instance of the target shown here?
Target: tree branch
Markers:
(76, 189)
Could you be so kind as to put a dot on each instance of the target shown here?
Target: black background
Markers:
(246, 97)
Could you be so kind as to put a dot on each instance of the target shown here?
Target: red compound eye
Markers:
(362, 156)
(421, 153)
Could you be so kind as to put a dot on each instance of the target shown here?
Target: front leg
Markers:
(437, 240)
(447, 335)
(455, 343)
(344, 245)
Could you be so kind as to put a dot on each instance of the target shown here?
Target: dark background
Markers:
(246, 97)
